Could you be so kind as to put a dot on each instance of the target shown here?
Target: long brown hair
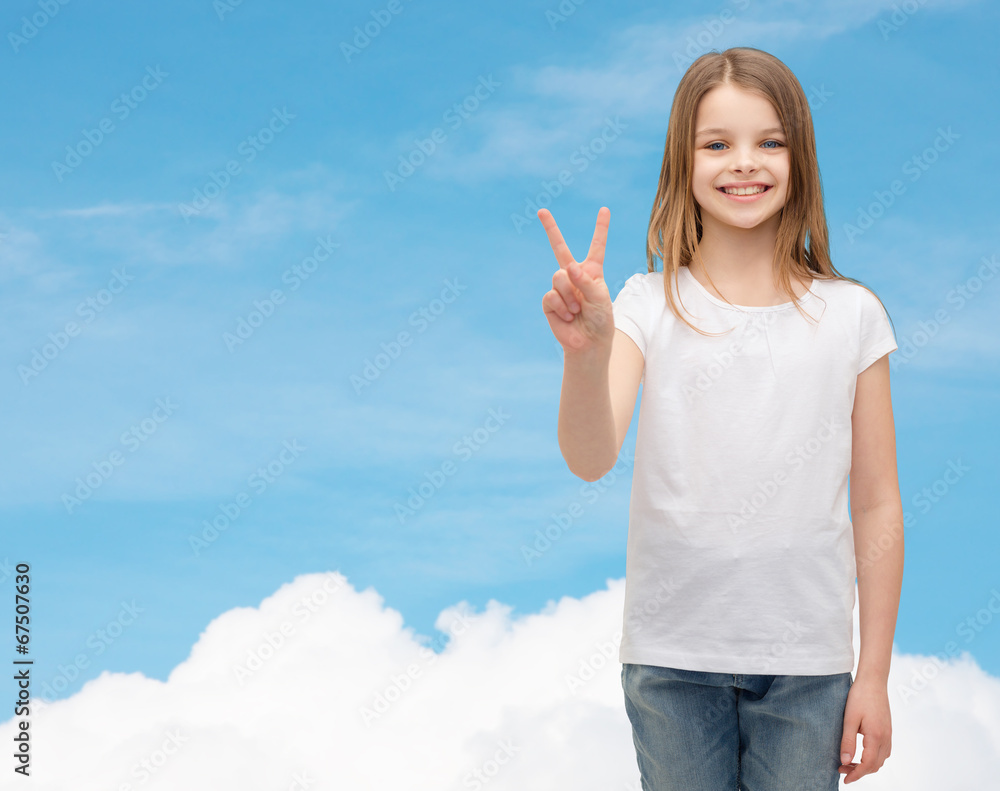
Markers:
(802, 244)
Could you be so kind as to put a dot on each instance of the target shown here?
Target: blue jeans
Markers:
(697, 731)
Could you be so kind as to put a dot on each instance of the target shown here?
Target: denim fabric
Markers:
(696, 731)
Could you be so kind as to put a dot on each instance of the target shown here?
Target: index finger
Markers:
(559, 246)
(600, 241)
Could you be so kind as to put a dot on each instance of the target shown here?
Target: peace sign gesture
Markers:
(579, 306)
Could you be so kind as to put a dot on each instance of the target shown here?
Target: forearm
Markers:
(587, 436)
(878, 543)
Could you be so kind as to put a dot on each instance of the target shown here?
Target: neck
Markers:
(737, 256)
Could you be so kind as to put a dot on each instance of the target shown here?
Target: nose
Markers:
(745, 161)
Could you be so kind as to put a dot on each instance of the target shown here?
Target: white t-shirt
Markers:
(740, 553)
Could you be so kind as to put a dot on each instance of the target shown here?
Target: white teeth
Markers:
(743, 190)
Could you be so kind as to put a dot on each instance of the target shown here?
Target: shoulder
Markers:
(847, 293)
(640, 281)
(639, 289)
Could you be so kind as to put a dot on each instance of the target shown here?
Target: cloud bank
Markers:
(324, 687)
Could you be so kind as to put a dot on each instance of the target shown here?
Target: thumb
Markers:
(849, 742)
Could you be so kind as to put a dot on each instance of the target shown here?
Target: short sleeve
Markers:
(876, 337)
(631, 310)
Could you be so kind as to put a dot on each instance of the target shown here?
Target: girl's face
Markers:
(739, 142)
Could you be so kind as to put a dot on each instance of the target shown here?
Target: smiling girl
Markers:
(765, 413)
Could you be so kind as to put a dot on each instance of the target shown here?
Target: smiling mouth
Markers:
(743, 190)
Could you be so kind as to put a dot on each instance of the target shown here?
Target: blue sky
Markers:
(209, 235)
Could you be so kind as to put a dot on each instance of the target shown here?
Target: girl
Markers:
(761, 402)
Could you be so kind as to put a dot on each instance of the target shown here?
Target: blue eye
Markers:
(777, 144)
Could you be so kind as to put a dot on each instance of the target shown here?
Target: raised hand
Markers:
(579, 306)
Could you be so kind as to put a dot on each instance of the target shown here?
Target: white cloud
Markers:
(496, 700)
(22, 253)
(544, 113)
(228, 231)
(106, 209)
